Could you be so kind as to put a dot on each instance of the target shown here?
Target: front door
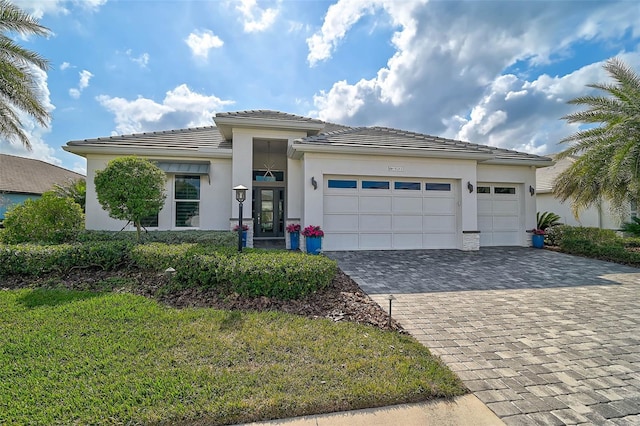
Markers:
(268, 211)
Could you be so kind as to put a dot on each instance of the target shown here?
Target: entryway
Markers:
(268, 214)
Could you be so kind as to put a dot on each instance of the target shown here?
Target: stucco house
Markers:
(369, 188)
(26, 178)
(595, 216)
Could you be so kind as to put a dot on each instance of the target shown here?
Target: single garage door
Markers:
(499, 214)
(363, 213)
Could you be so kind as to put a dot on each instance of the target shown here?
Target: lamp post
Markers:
(241, 195)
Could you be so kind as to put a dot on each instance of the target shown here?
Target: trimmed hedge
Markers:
(33, 259)
(215, 238)
(597, 243)
(278, 274)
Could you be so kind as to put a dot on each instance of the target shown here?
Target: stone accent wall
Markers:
(470, 241)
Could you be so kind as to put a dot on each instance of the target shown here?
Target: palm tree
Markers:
(18, 86)
(607, 156)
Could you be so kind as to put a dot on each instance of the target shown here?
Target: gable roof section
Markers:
(390, 141)
(29, 176)
(182, 142)
(266, 119)
(546, 176)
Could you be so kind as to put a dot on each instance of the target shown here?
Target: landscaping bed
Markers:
(343, 300)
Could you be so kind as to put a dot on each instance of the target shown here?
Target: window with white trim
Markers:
(186, 195)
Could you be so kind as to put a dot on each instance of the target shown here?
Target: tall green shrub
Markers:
(49, 219)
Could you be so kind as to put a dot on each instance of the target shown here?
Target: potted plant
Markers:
(537, 237)
(313, 239)
(294, 236)
(245, 228)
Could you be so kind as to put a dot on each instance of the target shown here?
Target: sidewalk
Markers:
(462, 411)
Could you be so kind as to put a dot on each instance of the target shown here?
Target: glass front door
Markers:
(268, 211)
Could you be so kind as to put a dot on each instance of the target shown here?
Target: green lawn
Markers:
(111, 358)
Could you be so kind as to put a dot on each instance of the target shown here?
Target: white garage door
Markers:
(499, 214)
(363, 213)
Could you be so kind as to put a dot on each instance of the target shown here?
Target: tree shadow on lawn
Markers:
(54, 297)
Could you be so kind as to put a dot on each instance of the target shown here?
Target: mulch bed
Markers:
(343, 300)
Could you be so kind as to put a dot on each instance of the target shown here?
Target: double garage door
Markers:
(364, 213)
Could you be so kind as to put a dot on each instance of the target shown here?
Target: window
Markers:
(375, 184)
(187, 201)
(504, 190)
(484, 190)
(431, 186)
(259, 176)
(149, 221)
(414, 186)
(343, 184)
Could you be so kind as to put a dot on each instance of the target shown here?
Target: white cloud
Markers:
(339, 19)
(180, 108)
(39, 8)
(142, 60)
(64, 66)
(443, 78)
(256, 19)
(200, 42)
(83, 83)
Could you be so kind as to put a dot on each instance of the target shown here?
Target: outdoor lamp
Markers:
(532, 190)
(241, 195)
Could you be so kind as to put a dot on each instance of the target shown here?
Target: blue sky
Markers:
(489, 72)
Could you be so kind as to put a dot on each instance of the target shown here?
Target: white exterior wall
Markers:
(318, 165)
(523, 176)
(589, 217)
(214, 203)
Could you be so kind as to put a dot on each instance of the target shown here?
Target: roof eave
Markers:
(226, 124)
(84, 150)
(297, 150)
(541, 162)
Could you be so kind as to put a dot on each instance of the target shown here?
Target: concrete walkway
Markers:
(539, 337)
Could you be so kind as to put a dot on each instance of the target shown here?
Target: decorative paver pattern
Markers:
(539, 337)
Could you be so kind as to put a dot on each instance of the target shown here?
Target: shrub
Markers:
(33, 259)
(555, 234)
(632, 227)
(546, 220)
(48, 219)
(214, 238)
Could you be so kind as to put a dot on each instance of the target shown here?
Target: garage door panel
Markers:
(484, 206)
(407, 241)
(438, 223)
(407, 223)
(439, 241)
(438, 205)
(407, 204)
(332, 241)
(505, 238)
(485, 223)
(375, 241)
(340, 222)
(375, 204)
(505, 223)
(340, 204)
(506, 206)
(375, 222)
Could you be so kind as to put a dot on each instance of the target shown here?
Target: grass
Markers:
(74, 357)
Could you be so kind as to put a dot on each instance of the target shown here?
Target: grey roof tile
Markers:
(269, 115)
(29, 176)
(184, 139)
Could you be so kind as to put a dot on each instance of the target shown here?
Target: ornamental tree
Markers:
(131, 188)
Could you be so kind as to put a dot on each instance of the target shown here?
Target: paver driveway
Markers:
(540, 337)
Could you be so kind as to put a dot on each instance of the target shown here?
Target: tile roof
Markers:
(384, 137)
(267, 114)
(546, 176)
(191, 139)
(29, 176)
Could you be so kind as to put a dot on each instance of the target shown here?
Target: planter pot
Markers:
(537, 241)
(294, 241)
(244, 238)
(314, 245)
